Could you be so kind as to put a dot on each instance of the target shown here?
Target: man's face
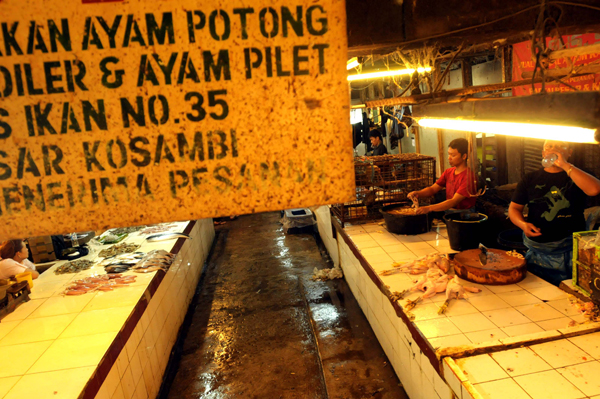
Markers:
(375, 141)
(551, 146)
(454, 157)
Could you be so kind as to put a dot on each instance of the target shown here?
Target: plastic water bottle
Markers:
(549, 160)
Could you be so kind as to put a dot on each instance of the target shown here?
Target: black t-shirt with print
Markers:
(556, 204)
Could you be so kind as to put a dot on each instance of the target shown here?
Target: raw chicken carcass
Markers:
(433, 287)
(455, 290)
(420, 266)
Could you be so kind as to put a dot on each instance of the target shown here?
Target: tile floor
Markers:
(57, 341)
(498, 312)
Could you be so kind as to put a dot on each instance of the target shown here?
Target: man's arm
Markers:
(586, 182)
(442, 206)
(515, 213)
(426, 192)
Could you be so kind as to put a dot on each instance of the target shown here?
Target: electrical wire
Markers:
(363, 88)
(567, 3)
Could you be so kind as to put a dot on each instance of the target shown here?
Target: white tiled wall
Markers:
(139, 369)
(325, 231)
(419, 378)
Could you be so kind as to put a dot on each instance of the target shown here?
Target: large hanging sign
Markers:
(523, 62)
(128, 112)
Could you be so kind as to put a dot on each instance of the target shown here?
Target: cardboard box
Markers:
(34, 241)
(41, 248)
(43, 257)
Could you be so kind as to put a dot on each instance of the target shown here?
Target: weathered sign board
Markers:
(128, 112)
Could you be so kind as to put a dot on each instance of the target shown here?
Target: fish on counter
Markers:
(118, 249)
(154, 260)
(103, 282)
(167, 236)
(74, 266)
(126, 230)
(159, 228)
(110, 238)
(122, 262)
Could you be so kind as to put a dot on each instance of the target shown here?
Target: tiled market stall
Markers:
(103, 345)
(422, 345)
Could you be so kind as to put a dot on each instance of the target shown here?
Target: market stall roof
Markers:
(381, 26)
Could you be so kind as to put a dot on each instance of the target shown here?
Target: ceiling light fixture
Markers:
(528, 130)
(572, 117)
(383, 74)
(352, 63)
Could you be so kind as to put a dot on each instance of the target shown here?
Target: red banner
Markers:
(523, 62)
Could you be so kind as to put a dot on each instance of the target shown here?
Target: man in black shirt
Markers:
(377, 143)
(555, 197)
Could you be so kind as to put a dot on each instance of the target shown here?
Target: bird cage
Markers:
(586, 262)
(384, 180)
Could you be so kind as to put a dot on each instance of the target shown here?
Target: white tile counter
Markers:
(498, 319)
(101, 344)
(563, 369)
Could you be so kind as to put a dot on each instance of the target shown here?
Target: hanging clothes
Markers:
(384, 119)
(357, 134)
(365, 128)
(400, 115)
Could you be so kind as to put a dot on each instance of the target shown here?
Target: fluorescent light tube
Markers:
(383, 74)
(529, 130)
(352, 63)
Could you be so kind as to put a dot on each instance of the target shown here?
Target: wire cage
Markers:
(586, 260)
(384, 180)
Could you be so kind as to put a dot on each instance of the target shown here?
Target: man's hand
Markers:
(530, 230)
(413, 195)
(560, 161)
(423, 210)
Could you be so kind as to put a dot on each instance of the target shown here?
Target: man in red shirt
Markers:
(458, 180)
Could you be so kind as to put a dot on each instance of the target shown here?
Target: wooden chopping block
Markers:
(501, 268)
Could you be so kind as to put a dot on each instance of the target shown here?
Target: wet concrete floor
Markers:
(259, 327)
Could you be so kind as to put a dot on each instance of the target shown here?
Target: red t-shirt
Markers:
(459, 184)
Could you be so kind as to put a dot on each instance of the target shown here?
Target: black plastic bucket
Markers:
(405, 224)
(465, 230)
(512, 239)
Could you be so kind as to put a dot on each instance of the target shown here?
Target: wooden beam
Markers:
(574, 52)
(446, 94)
(467, 73)
(415, 130)
(472, 139)
(562, 72)
(440, 81)
(506, 64)
(441, 152)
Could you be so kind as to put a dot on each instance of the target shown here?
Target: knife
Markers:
(483, 254)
